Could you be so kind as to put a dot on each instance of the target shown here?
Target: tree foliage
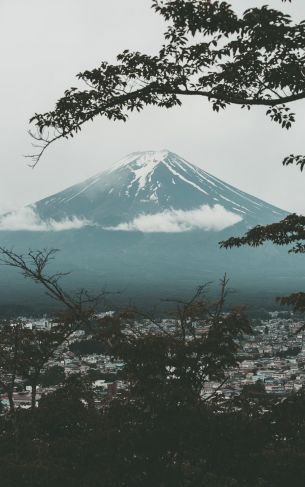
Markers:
(289, 231)
(25, 352)
(160, 429)
(53, 376)
(209, 51)
(152, 432)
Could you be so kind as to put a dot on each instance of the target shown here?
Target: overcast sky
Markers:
(46, 42)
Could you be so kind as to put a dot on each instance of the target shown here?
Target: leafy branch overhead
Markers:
(208, 51)
(289, 231)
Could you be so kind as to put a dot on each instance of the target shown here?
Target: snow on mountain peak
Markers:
(155, 185)
(143, 159)
(143, 164)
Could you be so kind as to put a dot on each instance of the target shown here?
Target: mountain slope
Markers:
(149, 227)
(149, 183)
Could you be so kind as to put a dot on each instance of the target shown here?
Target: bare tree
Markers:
(26, 352)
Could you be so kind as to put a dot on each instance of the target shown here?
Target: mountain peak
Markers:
(143, 164)
(155, 184)
(143, 158)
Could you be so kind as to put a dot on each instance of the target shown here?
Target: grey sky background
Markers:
(45, 43)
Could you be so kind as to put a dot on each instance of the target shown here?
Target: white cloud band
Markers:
(176, 221)
(26, 218)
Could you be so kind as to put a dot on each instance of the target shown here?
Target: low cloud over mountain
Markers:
(174, 221)
(151, 223)
(27, 218)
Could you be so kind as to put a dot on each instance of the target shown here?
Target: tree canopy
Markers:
(208, 50)
(289, 231)
(159, 430)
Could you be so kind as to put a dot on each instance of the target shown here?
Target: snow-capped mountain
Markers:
(149, 226)
(145, 188)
